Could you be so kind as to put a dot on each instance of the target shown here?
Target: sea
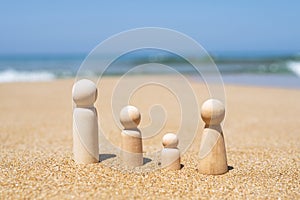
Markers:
(246, 68)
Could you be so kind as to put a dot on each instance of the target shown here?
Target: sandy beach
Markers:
(261, 131)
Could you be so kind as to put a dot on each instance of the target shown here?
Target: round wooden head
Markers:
(212, 112)
(84, 92)
(130, 117)
(170, 140)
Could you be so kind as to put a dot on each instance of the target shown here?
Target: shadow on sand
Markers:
(146, 160)
(103, 157)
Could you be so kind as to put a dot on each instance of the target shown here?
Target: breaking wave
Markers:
(294, 67)
(11, 75)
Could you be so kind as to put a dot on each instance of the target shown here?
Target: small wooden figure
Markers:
(132, 147)
(212, 154)
(170, 155)
(85, 122)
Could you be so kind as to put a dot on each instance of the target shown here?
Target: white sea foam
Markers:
(11, 75)
(294, 67)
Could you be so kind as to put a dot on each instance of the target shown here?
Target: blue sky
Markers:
(219, 26)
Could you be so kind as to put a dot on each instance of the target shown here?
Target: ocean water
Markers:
(280, 70)
(29, 68)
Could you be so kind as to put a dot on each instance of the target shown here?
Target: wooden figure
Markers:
(170, 155)
(132, 147)
(85, 122)
(212, 154)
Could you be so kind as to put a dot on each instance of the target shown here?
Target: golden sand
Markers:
(261, 129)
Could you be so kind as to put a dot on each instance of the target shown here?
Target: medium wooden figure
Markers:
(132, 147)
(212, 154)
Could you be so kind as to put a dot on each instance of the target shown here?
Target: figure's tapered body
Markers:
(213, 159)
(170, 158)
(212, 154)
(132, 147)
(85, 135)
(85, 123)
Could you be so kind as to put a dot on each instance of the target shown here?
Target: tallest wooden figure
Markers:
(85, 122)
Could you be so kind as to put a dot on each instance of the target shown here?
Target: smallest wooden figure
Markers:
(212, 154)
(170, 155)
(132, 146)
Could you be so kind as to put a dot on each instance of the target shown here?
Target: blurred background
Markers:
(254, 42)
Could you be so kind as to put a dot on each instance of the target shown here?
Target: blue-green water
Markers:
(252, 69)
